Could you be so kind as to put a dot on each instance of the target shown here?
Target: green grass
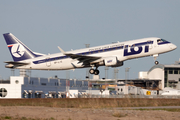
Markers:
(118, 114)
(7, 117)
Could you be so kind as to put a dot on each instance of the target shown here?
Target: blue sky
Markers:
(44, 25)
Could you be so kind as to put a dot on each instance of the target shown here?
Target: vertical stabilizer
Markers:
(17, 49)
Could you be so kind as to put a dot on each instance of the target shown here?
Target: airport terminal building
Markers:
(168, 74)
(29, 87)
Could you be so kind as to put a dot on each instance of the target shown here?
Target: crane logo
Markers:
(17, 50)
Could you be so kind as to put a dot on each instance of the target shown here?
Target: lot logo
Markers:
(136, 49)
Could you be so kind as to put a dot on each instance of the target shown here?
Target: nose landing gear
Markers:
(156, 62)
(155, 57)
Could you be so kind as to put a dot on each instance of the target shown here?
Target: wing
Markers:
(81, 58)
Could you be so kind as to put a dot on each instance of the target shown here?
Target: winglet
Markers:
(61, 50)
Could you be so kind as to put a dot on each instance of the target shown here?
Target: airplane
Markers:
(111, 55)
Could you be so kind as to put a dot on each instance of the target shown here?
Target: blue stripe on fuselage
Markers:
(84, 53)
(94, 52)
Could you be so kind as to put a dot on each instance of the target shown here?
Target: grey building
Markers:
(168, 74)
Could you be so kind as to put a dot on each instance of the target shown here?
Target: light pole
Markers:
(87, 73)
(87, 70)
(12, 72)
(127, 74)
(106, 72)
(67, 80)
(116, 73)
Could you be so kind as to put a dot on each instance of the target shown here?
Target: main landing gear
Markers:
(94, 71)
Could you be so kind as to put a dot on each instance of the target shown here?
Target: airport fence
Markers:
(130, 96)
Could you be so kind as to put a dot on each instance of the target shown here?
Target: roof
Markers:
(172, 66)
(161, 66)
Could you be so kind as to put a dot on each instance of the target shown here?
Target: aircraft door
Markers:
(150, 44)
(155, 44)
(48, 62)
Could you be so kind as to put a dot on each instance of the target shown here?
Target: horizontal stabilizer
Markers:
(16, 63)
(11, 64)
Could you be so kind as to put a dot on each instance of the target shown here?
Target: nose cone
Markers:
(173, 47)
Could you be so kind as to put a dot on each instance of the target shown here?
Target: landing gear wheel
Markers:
(96, 72)
(156, 62)
(91, 71)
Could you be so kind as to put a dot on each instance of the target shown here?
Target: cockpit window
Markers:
(161, 40)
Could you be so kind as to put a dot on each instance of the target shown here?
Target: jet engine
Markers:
(112, 62)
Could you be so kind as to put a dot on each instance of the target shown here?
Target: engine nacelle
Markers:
(113, 62)
(110, 61)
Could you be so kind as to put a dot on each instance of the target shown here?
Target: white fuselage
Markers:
(122, 50)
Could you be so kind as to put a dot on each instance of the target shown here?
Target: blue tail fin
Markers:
(18, 50)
